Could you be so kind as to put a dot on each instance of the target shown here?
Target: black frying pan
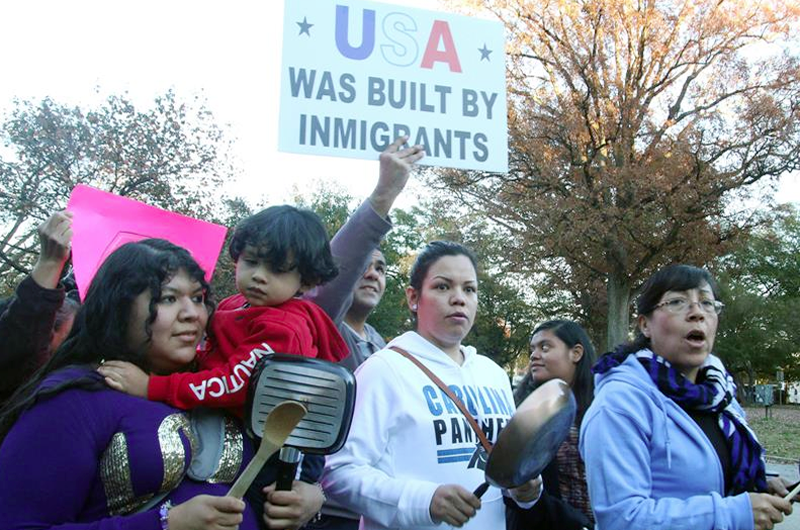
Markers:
(532, 437)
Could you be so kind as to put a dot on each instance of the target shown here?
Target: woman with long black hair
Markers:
(559, 349)
(75, 452)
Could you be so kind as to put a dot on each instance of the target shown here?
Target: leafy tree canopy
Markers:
(172, 155)
(760, 328)
(631, 125)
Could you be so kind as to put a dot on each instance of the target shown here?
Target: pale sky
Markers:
(228, 51)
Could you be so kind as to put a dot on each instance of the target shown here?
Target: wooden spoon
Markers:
(279, 424)
(792, 493)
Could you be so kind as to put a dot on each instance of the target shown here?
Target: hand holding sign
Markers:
(55, 241)
(396, 164)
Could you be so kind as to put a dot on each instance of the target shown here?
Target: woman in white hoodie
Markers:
(411, 459)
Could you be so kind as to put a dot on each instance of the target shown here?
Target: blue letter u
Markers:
(367, 34)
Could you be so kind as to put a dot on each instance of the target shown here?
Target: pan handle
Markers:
(287, 468)
(480, 490)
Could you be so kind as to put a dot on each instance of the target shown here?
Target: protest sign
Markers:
(357, 74)
(102, 222)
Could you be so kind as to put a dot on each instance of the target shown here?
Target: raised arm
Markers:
(55, 241)
(396, 163)
(353, 244)
(26, 325)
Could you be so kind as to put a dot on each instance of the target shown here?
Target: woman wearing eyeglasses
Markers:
(665, 443)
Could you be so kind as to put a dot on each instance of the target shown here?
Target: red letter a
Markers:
(432, 55)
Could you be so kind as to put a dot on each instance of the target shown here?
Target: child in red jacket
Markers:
(280, 253)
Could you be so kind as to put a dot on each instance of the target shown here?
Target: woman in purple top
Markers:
(77, 455)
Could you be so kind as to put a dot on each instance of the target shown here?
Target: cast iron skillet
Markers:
(532, 437)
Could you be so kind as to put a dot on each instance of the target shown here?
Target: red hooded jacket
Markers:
(240, 335)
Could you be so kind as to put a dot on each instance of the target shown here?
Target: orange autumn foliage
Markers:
(631, 125)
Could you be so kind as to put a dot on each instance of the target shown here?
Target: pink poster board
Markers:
(103, 221)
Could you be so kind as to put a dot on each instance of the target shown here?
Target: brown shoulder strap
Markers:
(474, 424)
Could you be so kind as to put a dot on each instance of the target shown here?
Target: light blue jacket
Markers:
(648, 464)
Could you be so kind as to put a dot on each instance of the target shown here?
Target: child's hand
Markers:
(125, 377)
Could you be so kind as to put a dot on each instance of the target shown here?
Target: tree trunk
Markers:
(618, 289)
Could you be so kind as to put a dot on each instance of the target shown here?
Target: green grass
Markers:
(779, 434)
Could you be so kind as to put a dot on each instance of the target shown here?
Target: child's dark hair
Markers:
(287, 237)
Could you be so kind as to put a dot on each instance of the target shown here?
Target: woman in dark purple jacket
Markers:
(78, 455)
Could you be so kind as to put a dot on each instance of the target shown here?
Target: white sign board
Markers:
(357, 74)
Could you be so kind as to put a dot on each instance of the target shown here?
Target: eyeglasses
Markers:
(682, 305)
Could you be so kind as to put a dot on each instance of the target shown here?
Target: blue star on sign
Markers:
(485, 52)
(305, 27)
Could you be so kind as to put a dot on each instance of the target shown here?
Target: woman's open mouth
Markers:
(696, 338)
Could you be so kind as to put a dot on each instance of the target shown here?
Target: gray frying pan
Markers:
(532, 437)
(325, 389)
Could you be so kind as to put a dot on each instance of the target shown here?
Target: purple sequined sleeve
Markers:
(84, 459)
